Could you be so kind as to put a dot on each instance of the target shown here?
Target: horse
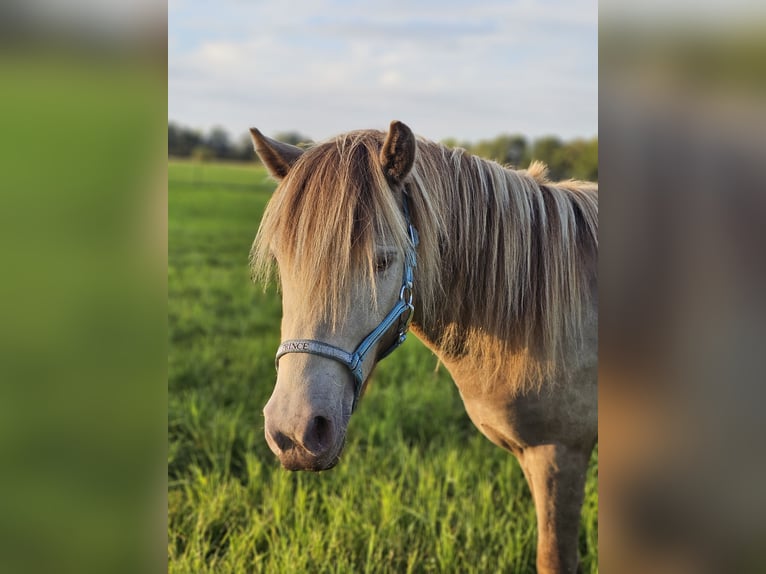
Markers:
(374, 234)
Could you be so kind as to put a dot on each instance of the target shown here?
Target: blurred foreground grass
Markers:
(82, 310)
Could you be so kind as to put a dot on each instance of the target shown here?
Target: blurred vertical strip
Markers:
(682, 402)
(83, 246)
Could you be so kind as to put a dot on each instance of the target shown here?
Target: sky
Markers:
(469, 70)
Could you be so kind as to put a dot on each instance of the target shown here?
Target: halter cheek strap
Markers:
(401, 313)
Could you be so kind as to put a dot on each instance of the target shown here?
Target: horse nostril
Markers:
(282, 441)
(318, 435)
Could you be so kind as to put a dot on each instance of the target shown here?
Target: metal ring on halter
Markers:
(405, 294)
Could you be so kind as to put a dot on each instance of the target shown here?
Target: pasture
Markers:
(418, 488)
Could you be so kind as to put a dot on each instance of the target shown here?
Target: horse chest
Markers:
(515, 421)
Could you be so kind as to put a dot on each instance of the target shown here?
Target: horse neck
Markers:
(460, 189)
(492, 275)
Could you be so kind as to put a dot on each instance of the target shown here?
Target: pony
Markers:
(376, 233)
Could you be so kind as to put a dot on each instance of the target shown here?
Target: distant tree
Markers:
(293, 138)
(576, 159)
(244, 151)
(454, 143)
(174, 138)
(548, 150)
(515, 147)
(182, 141)
(582, 159)
(484, 149)
(218, 142)
(505, 149)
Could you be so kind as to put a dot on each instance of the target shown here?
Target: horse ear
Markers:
(278, 157)
(398, 153)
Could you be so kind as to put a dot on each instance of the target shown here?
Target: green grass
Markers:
(216, 174)
(418, 488)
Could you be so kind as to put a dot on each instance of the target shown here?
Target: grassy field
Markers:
(418, 488)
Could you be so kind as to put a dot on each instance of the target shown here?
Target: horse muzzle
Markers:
(312, 442)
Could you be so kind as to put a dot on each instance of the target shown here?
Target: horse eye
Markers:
(382, 262)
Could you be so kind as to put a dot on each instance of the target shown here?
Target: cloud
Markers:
(468, 71)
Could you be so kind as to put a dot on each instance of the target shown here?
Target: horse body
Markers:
(505, 294)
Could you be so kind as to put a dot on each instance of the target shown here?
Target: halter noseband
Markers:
(402, 312)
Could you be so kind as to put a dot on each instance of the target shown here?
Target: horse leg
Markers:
(556, 476)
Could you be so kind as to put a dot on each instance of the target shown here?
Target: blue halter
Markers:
(402, 313)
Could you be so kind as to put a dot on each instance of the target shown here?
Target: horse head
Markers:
(339, 231)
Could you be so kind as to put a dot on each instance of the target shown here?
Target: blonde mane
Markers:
(506, 258)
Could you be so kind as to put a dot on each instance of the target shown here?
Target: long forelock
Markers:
(326, 219)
